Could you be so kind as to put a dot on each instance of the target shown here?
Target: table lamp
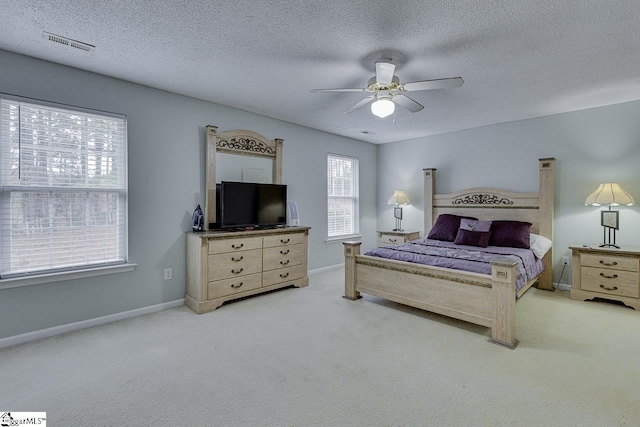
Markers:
(398, 198)
(609, 193)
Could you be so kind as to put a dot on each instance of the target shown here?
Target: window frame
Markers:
(81, 270)
(355, 198)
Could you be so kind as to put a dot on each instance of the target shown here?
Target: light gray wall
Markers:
(166, 181)
(590, 147)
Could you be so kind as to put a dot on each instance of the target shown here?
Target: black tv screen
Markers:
(272, 205)
(245, 204)
(238, 204)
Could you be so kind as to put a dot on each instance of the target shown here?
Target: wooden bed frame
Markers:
(487, 300)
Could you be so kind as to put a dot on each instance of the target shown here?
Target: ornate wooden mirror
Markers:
(239, 142)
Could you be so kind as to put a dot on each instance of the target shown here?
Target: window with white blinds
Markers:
(343, 194)
(63, 183)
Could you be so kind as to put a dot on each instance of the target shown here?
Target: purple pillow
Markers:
(473, 238)
(474, 225)
(446, 227)
(513, 234)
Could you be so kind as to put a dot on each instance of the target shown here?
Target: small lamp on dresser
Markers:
(609, 193)
(398, 198)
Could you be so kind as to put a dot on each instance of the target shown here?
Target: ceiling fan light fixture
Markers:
(383, 107)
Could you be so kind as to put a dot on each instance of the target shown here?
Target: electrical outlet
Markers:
(565, 260)
(168, 273)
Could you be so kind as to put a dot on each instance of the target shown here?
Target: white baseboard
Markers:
(562, 286)
(69, 327)
(323, 269)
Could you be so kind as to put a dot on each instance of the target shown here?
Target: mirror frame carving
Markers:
(241, 142)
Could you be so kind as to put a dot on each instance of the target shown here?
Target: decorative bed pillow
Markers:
(446, 227)
(540, 245)
(472, 238)
(474, 225)
(512, 234)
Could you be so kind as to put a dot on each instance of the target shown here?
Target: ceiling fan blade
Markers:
(433, 84)
(408, 103)
(339, 90)
(360, 104)
(384, 72)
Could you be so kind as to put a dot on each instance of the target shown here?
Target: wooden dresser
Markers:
(606, 273)
(223, 266)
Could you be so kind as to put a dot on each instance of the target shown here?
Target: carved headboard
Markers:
(241, 142)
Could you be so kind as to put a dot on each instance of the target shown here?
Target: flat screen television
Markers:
(272, 205)
(245, 204)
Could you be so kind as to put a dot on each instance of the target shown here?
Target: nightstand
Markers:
(607, 273)
(386, 238)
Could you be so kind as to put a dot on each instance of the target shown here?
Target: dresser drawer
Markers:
(390, 239)
(280, 257)
(610, 261)
(234, 245)
(222, 288)
(224, 266)
(609, 281)
(283, 240)
(282, 275)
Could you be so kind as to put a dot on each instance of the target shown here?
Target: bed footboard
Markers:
(477, 298)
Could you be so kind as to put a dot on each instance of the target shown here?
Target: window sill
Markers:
(340, 239)
(16, 282)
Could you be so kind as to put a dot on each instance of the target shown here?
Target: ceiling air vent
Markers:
(68, 42)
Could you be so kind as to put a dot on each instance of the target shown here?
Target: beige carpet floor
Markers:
(307, 357)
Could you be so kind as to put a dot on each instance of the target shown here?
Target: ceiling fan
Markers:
(388, 91)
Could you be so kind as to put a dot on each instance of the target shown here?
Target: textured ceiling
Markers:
(519, 59)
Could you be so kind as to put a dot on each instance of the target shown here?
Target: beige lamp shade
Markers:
(399, 198)
(609, 193)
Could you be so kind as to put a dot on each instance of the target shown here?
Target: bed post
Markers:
(351, 249)
(547, 187)
(429, 191)
(503, 289)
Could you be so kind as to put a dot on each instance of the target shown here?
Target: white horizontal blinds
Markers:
(64, 188)
(342, 192)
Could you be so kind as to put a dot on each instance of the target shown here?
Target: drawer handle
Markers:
(237, 272)
(284, 275)
(285, 241)
(242, 245)
(615, 288)
(615, 276)
(614, 263)
(285, 262)
(284, 252)
(237, 259)
(393, 240)
(233, 285)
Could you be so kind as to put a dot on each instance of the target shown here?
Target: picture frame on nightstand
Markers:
(609, 219)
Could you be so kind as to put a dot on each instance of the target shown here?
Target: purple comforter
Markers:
(459, 257)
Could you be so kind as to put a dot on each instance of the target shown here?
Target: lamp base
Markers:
(609, 245)
(607, 238)
(397, 229)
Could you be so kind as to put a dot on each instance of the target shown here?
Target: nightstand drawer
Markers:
(389, 239)
(610, 261)
(611, 282)
(386, 238)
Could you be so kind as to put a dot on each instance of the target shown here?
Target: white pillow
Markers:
(540, 245)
